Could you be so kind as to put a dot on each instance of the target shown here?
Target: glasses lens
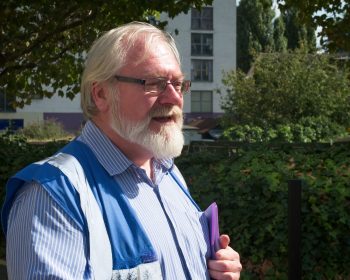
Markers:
(155, 86)
(185, 86)
(177, 86)
(158, 86)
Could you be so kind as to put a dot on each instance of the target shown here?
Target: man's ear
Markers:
(100, 96)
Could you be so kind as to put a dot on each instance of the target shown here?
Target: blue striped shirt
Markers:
(43, 242)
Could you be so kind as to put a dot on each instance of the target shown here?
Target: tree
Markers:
(43, 42)
(333, 16)
(299, 36)
(290, 89)
(279, 38)
(254, 30)
(259, 31)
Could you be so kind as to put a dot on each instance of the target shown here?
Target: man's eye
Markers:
(177, 84)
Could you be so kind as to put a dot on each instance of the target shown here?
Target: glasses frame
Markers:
(185, 83)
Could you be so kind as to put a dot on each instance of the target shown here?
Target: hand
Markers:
(227, 264)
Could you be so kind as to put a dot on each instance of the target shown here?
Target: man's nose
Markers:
(171, 96)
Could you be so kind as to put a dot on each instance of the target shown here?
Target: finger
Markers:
(227, 254)
(224, 241)
(224, 275)
(225, 265)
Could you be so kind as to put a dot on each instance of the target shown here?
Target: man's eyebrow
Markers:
(179, 77)
(175, 77)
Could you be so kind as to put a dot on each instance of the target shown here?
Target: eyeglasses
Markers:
(156, 86)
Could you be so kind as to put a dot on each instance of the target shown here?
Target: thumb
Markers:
(224, 241)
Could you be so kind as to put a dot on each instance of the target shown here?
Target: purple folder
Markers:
(213, 222)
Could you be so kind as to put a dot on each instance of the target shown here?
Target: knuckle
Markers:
(240, 267)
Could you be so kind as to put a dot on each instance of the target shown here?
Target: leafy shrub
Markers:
(250, 188)
(321, 128)
(302, 96)
(16, 153)
(310, 129)
(244, 133)
(44, 130)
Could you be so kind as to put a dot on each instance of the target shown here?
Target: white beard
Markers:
(167, 143)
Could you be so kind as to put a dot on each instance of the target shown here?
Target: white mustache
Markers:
(166, 111)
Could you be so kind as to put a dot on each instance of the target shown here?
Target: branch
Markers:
(18, 67)
(33, 65)
(46, 36)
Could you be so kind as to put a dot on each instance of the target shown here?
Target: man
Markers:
(111, 204)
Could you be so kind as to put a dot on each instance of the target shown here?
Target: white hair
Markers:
(108, 54)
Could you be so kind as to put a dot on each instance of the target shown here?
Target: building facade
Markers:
(206, 40)
(57, 108)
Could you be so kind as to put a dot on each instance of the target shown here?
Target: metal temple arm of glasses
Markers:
(130, 80)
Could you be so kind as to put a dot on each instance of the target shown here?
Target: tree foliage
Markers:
(333, 16)
(279, 30)
(289, 88)
(43, 42)
(254, 30)
(259, 30)
(298, 35)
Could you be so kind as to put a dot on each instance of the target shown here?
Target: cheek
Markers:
(136, 108)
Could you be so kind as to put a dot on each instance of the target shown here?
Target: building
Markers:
(206, 40)
(62, 109)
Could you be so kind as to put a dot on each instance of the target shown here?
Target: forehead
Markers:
(147, 46)
(151, 56)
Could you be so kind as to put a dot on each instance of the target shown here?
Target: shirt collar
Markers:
(108, 154)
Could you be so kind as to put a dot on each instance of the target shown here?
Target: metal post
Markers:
(294, 229)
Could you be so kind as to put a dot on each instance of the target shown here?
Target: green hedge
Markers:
(16, 153)
(250, 187)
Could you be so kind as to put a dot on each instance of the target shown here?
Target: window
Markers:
(201, 44)
(202, 70)
(202, 19)
(5, 103)
(201, 101)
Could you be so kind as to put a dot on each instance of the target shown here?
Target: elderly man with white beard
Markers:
(111, 204)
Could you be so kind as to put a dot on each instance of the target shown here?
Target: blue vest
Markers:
(92, 198)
